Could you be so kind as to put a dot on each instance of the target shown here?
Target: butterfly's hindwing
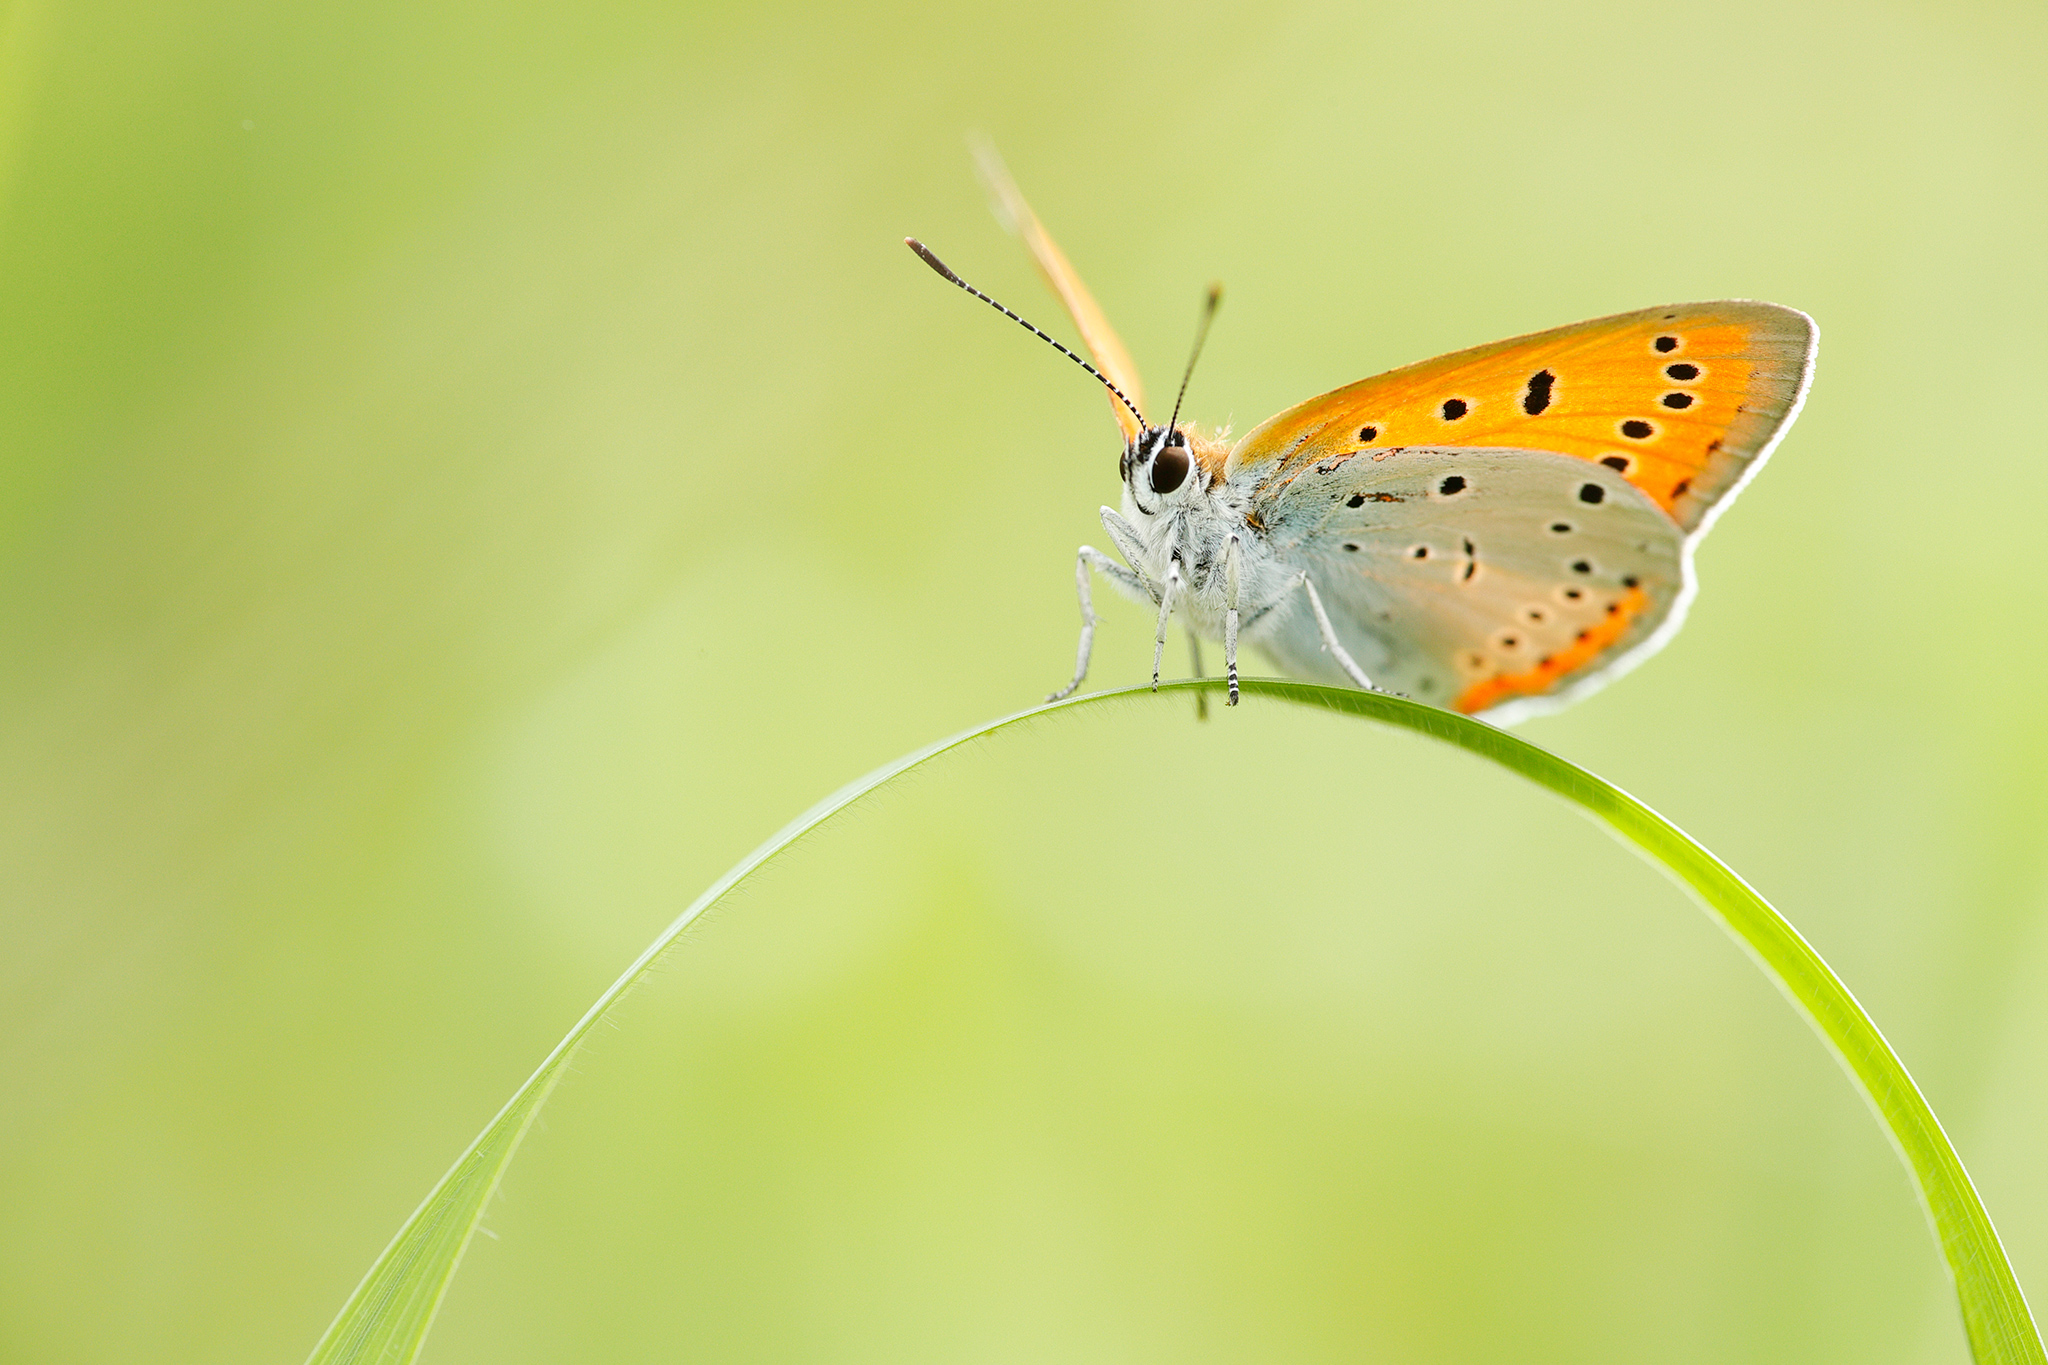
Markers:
(1474, 578)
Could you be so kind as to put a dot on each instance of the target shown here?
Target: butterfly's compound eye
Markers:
(1169, 469)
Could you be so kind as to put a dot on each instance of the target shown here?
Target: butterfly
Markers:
(1498, 531)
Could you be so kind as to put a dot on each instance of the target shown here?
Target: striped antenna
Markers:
(946, 273)
(1201, 335)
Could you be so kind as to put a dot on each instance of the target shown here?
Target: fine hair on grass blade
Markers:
(387, 1317)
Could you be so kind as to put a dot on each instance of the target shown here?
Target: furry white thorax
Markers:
(1183, 537)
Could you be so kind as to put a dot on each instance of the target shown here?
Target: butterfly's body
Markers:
(1498, 531)
(1191, 528)
(1354, 524)
(1186, 537)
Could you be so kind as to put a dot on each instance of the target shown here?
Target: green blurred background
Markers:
(472, 471)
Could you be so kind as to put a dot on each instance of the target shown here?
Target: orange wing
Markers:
(1102, 341)
(1685, 401)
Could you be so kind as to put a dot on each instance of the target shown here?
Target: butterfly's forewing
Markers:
(1101, 339)
(1683, 401)
(1475, 578)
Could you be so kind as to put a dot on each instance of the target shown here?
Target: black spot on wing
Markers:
(1537, 396)
(1454, 408)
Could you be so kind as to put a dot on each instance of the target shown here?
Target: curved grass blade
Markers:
(387, 1317)
(1995, 1315)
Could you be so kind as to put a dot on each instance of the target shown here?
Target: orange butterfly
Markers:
(1500, 530)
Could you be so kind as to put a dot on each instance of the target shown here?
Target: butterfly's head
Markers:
(1159, 469)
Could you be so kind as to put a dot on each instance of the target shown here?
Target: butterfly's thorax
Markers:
(1184, 536)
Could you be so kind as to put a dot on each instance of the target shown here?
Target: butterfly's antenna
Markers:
(946, 273)
(1201, 335)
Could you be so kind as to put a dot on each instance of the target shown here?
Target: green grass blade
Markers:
(1994, 1309)
(387, 1318)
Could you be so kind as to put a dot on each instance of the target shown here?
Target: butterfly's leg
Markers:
(1195, 662)
(1125, 537)
(1344, 660)
(1089, 557)
(1171, 585)
(1233, 556)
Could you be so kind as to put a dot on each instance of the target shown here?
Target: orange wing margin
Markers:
(1101, 339)
(1684, 400)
